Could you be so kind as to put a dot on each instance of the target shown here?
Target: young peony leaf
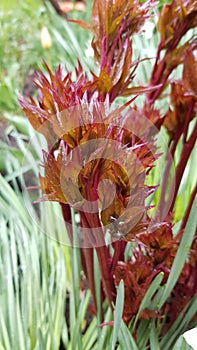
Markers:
(175, 20)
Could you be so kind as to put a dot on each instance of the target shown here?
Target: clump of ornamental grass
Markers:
(100, 154)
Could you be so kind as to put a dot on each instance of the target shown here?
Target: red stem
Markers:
(86, 254)
(107, 278)
(186, 216)
(160, 47)
(119, 248)
(159, 74)
(169, 160)
(162, 77)
(187, 149)
(97, 238)
(103, 256)
(89, 263)
(66, 211)
(188, 119)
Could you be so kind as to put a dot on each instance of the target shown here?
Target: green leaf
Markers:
(181, 254)
(125, 338)
(154, 342)
(180, 325)
(148, 296)
(181, 344)
(118, 313)
(10, 196)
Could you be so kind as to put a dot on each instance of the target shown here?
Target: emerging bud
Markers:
(45, 38)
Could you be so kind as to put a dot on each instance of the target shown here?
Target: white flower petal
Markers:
(191, 337)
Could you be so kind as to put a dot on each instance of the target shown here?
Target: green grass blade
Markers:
(106, 331)
(148, 296)
(10, 196)
(118, 313)
(180, 325)
(125, 338)
(181, 344)
(181, 254)
(154, 342)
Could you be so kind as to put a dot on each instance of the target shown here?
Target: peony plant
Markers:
(101, 154)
